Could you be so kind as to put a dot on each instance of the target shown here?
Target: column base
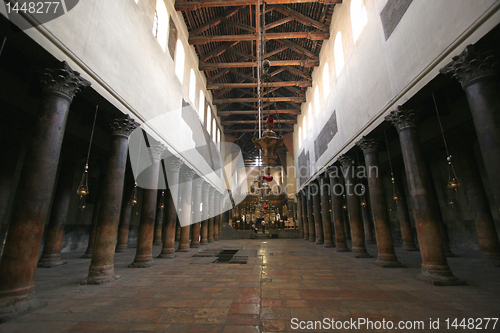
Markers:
(101, 279)
(312, 240)
(388, 263)
(210, 240)
(195, 245)
(50, 264)
(328, 244)
(203, 242)
(19, 306)
(362, 255)
(141, 264)
(157, 243)
(183, 249)
(342, 249)
(167, 255)
(409, 247)
(439, 275)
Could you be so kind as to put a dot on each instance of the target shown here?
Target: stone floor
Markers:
(287, 278)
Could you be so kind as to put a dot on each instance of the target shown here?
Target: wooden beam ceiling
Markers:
(214, 86)
(246, 122)
(194, 5)
(275, 63)
(312, 35)
(253, 112)
(255, 100)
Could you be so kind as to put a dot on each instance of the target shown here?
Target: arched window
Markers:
(326, 81)
(218, 135)
(201, 104)
(300, 137)
(209, 119)
(317, 109)
(358, 18)
(213, 129)
(161, 26)
(309, 114)
(179, 60)
(304, 126)
(192, 87)
(338, 52)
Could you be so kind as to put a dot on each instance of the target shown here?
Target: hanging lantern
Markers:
(394, 190)
(133, 199)
(161, 204)
(83, 188)
(453, 183)
(269, 142)
(344, 206)
(268, 177)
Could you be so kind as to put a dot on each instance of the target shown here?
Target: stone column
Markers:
(478, 201)
(336, 189)
(299, 215)
(159, 218)
(144, 253)
(305, 223)
(476, 70)
(186, 188)
(204, 224)
(404, 215)
(354, 207)
(365, 213)
(211, 213)
(310, 215)
(51, 255)
(217, 216)
(95, 217)
(325, 209)
(33, 196)
(386, 257)
(318, 219)
(125, 215)
(197, 193)
(102, 267)
(435, 268)
(173, 166)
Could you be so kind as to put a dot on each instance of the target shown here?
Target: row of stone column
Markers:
(111, 216)
(476, 72)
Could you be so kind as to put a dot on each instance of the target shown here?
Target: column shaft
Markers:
(310, 216)
(186, 188)
(159, 219)
(197, 196)
(404, 216)
(125, 215)
(305, 216)
(337, 210)
(325, 211)
(318, 219)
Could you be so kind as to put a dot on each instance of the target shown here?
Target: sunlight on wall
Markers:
(201, 104)
(304, 126)
(300, 137)
(209, 119)
(179, 60)
(162, 24)
(192, 87)
(317, 109)
(358, 18)
(309, 114)
(338, 53)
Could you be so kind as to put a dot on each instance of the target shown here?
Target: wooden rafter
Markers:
(246, 122)
(299, 49)
(241, 130)
(214, 66)
(254, 100)
(252, 112)
(194, 5)
(306, 20)
(312, 35)
(215, 21)
(278, 22)
(217, 51)
(214, 86)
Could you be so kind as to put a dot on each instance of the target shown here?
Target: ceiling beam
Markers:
(278, 22)
(298, 72)
(238, 122)
(242, 130)
(194, 5)
(306, 20)
(215, 21)
(217, 51)
(312, 35)
(213, 86)
(239, 25)
(275, 63)
(254, 100)
(252, 112)
(299, 49)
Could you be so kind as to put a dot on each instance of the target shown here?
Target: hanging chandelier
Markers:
(83, 187)
(268, 143)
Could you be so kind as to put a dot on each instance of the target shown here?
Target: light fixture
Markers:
(83, 187)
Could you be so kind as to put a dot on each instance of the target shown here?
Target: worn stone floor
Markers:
(285, 279)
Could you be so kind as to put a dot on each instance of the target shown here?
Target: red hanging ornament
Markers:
(265, 207)
(268, 177)
(270, 120)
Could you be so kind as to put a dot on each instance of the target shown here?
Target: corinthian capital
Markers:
(123, 126)
(367, 145)
(188, 174)
(206, 187)
(198, 182)
(346, 161)
(173, 164)
(471, 65)
(403, 118)
(63, 80)
(156, 150)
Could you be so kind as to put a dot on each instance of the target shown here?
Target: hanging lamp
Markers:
(395, 195)
(83, 187)
(453, 183)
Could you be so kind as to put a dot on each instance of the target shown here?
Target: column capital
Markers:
(173, 164)
(188, 174)
(346, 160)
(198, 182)
(63, 81)
(123, 126)
(403, 118)
(471, 65)
(212, 191)
(156, 150)
(368, 145)
(205, 187)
